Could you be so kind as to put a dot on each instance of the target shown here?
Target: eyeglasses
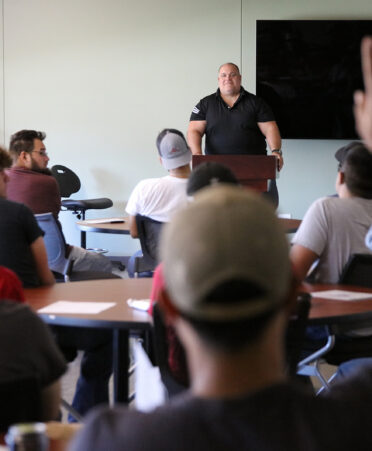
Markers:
(42, 153)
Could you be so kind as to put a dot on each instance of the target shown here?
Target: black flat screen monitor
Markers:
(307, 71)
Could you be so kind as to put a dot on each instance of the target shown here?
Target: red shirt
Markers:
(176, 354)
(10, 286)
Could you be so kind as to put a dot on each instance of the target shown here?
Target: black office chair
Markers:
(357, 271)
(20, 401)
(295, 334)
(148, 234)
(340, 347)
(56, 250)
(69, 183)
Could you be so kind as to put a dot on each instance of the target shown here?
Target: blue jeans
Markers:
(92, 387)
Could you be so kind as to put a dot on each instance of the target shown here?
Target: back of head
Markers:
(207, 174)
(23, 141)
(356, 163)
(5, 160)
(173, 149)
(226, 263)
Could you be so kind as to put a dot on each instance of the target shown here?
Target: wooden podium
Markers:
(252, 171)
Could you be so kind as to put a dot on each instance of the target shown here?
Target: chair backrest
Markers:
(148, 234)
(54, 243)
(358, 271)
(67, 180)
(20, 402)
(295, 334)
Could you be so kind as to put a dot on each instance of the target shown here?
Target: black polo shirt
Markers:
(233, 130)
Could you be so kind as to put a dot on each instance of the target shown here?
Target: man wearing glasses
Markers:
(31, 182)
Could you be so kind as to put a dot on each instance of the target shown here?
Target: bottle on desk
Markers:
(27, 437)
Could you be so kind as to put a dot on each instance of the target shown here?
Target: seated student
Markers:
(22, 249)
(32, 183)
(334, 228)
(206, 174)
(22, 246)
(28, 348)
(230, 312)
(159, 198)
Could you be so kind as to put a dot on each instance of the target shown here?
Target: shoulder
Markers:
(211, 98)
(147, 184)
(14, 207)
(110, 428)
(19, 314)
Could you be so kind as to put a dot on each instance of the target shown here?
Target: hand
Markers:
(363, 100)
(279, 158)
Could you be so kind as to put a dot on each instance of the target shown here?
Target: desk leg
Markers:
(121, 365)
(83, 239)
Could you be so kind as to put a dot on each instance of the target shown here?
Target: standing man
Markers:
(233, 120)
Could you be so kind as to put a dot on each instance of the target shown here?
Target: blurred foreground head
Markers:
(226, 258)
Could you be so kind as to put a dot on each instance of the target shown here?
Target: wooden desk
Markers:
(339, 313)
(121, 319)
(121, 228)
(290, 225)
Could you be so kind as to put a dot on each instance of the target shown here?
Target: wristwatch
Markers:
(279, 151)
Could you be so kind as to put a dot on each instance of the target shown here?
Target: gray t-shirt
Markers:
(335, 228)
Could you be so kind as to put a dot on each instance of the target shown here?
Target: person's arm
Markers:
(271, 132)
(195, 134)
(51, 401)
(41, 261)
(302, 258)
(363, 100)
(133, 227)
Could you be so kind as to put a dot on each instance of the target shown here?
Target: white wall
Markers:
(310, 167)
(103, 78)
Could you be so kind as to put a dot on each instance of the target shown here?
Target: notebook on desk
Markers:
(105, 221)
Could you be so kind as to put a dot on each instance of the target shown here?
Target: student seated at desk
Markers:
(22, 249)
(27, 346)
(230, 312)
(334, 228)
(204, 175)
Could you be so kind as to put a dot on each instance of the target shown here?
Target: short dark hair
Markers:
(230, 64)
(209, 173)
(5, 160)
(23, 141)
(232, 335)
(358, 172)
(164, 132)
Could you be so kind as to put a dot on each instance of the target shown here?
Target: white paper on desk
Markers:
(104, 221)
(139, 304)
(80, 308)
(341, 295)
